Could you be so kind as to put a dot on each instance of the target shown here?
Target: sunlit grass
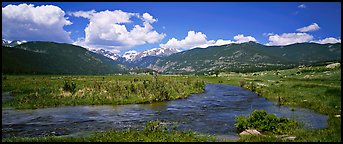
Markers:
(47, 91)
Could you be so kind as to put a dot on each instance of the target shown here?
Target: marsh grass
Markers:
(50, 91)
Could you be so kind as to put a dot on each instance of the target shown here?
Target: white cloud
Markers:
(40, 23)
(302, 6)
(223, 42)
(241, 38)
(81, 42)
(328, 40)
(312, 27)
(191, 40)
(289, 38)
(148, 18)
(198, 39)
(84, 14)
(267, 34)
(107, 29)
(214, 43)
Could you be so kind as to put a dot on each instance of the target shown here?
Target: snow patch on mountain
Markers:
(106, 53)
(130, 55)
(133, 55)
(157, 52)
(14, 43)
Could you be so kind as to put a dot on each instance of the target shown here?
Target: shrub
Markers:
(70, 87)
(264, 122)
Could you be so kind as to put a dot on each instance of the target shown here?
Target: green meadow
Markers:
(33, 92)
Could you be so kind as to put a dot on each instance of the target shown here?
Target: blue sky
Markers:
(270, 23)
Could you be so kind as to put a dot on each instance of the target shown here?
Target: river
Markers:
(211, 112)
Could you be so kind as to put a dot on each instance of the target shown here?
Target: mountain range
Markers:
(132, 56)
(60, 58)
(246, 57)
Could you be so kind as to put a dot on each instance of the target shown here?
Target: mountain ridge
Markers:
(236, 57)
(245, 57)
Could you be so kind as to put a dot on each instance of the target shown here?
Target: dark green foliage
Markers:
(264, 122)
(69, 87)
(333, 91)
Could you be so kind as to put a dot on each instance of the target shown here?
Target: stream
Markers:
(211, 112)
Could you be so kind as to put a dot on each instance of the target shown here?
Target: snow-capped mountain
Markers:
(157, 52)
(130, 55)
(9, 43)
(106, 53)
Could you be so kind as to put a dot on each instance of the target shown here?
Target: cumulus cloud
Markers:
(267, 34)
(107, 29)
(241, 38)
(312, 27)
(302, 6)
(328, 40)
(214, 43)
(81, 42)
(191, 40)
(34, 23)
(148, 18)
(223, 42)
(289, 38)
(199, 40)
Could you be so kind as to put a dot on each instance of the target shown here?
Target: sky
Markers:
(137, 26)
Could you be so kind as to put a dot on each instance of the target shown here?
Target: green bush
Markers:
(264, 122)
(70, 87)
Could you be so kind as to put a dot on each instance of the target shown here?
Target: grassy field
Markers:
(32, 92)
(316, 88)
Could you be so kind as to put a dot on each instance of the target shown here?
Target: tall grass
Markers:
(50, 91)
